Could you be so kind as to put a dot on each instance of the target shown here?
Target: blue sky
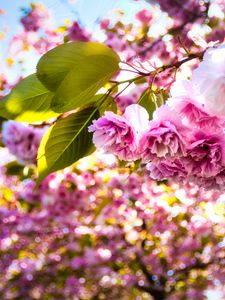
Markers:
(89, 11)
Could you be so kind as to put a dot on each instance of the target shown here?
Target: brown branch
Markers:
(156, 292)
(177, 64)
(145, 271)
(198, 265)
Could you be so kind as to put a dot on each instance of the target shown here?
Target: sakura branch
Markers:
(185, 139)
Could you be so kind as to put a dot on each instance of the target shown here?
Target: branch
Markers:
(173, 31)
(156, 292)
(177, 64)
(145, 271)
(198, 265)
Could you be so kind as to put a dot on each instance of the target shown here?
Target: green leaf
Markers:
(109, 104)
(104, 103)
(161, 97)
(83, 81)
(13, 168)
(29, 101)
(65, 142)
(141, 80)
(55, 65)
(2, 119)
(147, 102)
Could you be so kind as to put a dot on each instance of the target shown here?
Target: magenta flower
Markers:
(36, 18)
(166, 169)
(209, 80)
(165, 138)
(211, 183)
(206, 154)
(76, 33)
(197, 116)
(144, 16)
(22, 141)
(185, 101)
(181, 13)
(120, 135)
(114, 135)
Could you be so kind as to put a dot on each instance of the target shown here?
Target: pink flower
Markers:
(13, 132)
(104, 24)
(73, 285)
(78, 263)
(144, 16)
(166, 169)
(209, 79)
(217, 34)
(205, 154)
(181, 12)
(76, 33)
(184, 100)
(165, 138)
(212, 183)
(36, 18)
(22, 141)
(120, 135)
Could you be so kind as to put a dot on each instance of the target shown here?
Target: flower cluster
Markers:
(182, 12)
(4, 84)
(35, 18)
(121, 135)
(76, 33)
(22, 141)
(145, 17)
(185, 140)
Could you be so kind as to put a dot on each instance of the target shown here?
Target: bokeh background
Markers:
(100, 181)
